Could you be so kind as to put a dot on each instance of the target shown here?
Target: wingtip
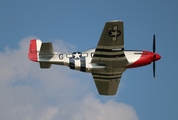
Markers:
(116, 21)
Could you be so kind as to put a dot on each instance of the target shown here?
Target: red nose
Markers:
(157, 57)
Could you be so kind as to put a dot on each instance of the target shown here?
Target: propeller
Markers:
(154, 49)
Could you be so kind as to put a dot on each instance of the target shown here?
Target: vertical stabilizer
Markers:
(34, 49)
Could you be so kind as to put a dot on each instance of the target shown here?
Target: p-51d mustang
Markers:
(106, 63)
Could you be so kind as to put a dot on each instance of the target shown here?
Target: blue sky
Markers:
(77, 25)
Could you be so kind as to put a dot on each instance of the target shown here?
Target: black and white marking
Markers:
(114, 33)
(77, 61)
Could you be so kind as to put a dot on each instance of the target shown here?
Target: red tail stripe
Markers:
(32, 54)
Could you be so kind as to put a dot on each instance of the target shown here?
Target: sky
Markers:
(30, 93)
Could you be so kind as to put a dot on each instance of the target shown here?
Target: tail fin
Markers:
(34, 49)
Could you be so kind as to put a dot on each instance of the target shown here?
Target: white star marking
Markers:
(77, 55)
(115, 33)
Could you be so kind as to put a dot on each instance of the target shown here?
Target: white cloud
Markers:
(93, 109)
(30, 93)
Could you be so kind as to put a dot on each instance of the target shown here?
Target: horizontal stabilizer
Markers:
(46, 49)
(45, 65)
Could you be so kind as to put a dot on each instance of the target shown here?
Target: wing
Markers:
(110, 53)
(110, 48)
(107, 82)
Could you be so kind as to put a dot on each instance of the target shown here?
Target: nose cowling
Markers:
(157, 57)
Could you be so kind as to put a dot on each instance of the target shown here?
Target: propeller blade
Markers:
(154, 50)
(154, 44)
(154, 67)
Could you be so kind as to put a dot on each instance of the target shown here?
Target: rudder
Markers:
(34, 49)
